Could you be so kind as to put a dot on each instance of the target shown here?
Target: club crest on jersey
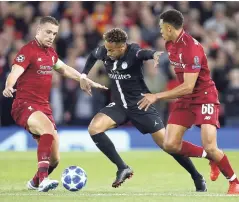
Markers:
(124, 65)
(196, 63)
(20, 58)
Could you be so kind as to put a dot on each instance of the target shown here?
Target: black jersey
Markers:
(125, 73)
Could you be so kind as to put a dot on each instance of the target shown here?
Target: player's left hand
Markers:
(146, 101)
(86, 84)
(97, 85)
(156, 58)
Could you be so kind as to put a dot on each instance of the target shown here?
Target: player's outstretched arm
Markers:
(183, 89)
(15, 73)
(85, 83)
(144, 54)
(90, 62)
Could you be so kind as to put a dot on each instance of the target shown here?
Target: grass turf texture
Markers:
(157, 177)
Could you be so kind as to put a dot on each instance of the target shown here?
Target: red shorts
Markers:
(22, 109)
(186, 114)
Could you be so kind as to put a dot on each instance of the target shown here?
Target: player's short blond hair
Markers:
(49, 19)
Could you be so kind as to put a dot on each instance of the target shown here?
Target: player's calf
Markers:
(43, 154)
(52, 167)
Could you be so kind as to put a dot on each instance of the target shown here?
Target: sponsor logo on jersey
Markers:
(44, 70)
(117, 76)
(20, 58)
(39, 59)
(177, 64)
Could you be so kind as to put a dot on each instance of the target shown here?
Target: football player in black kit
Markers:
(124, 63)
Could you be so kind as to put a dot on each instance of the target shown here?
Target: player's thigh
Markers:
(109, 117)
(158, 137)
(146, 121)
(209, 137)
(181, 115)
(180, 119)
(38, 123)
(206, 114)
(173, 137)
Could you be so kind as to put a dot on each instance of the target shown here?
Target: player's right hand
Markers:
(156, 57)
(8, 92)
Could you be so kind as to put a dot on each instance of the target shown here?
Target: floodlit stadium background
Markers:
(214, 24)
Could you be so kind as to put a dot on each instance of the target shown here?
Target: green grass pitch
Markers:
(157, 177)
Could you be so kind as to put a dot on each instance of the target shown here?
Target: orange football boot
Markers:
(233, 188)
(215, 172)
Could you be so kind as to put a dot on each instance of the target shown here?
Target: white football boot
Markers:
(31, 185)
(47, 185)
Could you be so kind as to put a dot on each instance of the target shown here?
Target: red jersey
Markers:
(186, 55)
(35, 82)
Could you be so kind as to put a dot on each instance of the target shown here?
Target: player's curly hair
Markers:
(49, 19)
(173, 17)
(115, 35)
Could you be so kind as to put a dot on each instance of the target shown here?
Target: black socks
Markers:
(103, 142)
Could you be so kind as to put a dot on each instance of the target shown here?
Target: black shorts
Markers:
(145, 121)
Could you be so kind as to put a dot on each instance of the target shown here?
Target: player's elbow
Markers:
(188, 89)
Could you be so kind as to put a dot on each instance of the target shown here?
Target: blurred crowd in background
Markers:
(214, 24)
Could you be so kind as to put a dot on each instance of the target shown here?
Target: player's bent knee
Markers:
(158, 137)
(39, 124)
(171, 147)
(95, 128)
(211, 150)
(100, 123)
(47, 129)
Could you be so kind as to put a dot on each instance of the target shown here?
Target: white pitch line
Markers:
(119, 194)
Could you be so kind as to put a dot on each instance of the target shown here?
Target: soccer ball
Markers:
(74, 178)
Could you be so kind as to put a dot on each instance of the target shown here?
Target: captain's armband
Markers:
(58, 64)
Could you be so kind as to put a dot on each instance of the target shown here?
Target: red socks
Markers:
(226, 170)
(43, 155)
(191, 150)
(36, 178)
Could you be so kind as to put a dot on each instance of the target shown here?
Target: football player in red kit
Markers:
(197, 98)
(32, 70)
